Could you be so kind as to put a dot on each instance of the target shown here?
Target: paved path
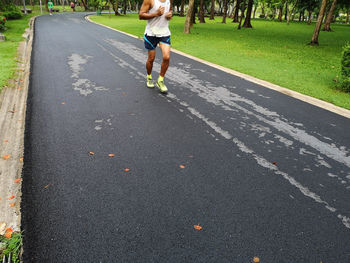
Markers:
(265, 175)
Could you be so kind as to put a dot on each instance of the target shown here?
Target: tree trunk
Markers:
(182, 10)
(46, 6)
(263, 9)
(193, 20)
(115, 8)
(310, 17)
(255, 7)
(125, 7)
(225, 12)
(303, 16)
(212, 10)
(286, 13)
(291, 14)
(201, 11)
(247, 21)
(189, 17)
(280, 13)
(314, 40)
(242, 14)
(327, 24)
(235, 16)
(85, 4)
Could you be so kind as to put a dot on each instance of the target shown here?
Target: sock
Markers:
(160, 78)
(149, 76)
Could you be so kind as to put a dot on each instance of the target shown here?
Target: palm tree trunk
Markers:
(314, 40)
(189, 17)
(327, 24)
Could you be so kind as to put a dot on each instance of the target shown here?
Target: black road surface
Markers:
(264, 174)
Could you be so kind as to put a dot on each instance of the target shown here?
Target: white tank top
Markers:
(158, 26)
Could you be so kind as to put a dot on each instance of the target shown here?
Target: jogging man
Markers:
(157, 13)
(50, 6)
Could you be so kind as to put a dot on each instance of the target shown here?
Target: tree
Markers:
(327, 24)
(225, 12)
(212, 10)
(201, 11)
(247, 23)
(182, 10)
(189, 17)
(235, 16)
(314, 40)
(242, 14)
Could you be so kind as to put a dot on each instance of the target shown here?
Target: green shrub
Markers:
(14, 14)
(345, 69)
(2, 23)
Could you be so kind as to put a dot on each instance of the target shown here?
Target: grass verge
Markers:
(272, 51)
(8, 48)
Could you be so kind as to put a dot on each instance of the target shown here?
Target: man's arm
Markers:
(146, 6)
(169, 15)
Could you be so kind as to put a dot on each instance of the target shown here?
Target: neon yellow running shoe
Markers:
(150, 83)
(160, 84)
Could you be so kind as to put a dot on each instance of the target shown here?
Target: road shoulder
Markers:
(13, 100)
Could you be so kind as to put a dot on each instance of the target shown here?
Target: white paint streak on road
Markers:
(84, 86)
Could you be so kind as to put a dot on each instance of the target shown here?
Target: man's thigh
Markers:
(165, 50)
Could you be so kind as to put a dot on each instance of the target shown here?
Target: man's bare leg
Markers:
(166, 58)
(150, 60)
(149, 66)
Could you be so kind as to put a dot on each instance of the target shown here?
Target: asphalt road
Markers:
(265, 175)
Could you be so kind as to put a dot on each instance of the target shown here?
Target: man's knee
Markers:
(166, 58)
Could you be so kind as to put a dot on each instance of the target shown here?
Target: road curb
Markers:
(305, 98)
(13, 100)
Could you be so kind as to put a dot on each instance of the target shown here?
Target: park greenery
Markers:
(297, 44)
(272, 51)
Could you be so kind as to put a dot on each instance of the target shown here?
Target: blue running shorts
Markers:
(151, 42)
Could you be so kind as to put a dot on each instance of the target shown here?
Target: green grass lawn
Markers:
(8, 48)
(271, 51)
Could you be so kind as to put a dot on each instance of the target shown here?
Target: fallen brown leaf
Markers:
(126, 169)
(182, 166)
(63, 103)
(91, 153)
(21, 159)
(256, 259)
(18, 180)
(12, 204)
(11, 197)
(111, 155)
(47, 186)
(6, 140)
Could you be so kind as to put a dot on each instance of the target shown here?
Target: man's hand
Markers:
(160, 11)
(169, 15)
